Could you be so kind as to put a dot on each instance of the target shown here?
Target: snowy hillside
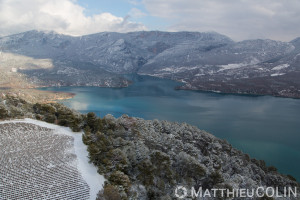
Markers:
(203, 61)
(140, 159)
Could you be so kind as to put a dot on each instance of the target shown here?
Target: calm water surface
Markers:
(265, 127)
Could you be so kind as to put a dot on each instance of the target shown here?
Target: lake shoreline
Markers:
(243, 120)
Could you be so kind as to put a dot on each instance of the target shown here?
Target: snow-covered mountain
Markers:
(204, 61)
(114, 52)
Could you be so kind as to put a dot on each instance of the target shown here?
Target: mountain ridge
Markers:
(206, 61)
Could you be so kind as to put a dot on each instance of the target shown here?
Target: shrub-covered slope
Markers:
(147, 159)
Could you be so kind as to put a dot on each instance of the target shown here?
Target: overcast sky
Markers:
(238, 19)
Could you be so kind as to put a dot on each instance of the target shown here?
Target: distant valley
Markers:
(202, 61)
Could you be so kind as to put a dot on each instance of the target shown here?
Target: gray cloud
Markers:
(239, 19)
(63, 16)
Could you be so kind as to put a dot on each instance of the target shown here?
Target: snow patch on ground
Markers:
(87, 170)
(279, 67)
(199, 74)
(168, 69)
(278, 74)
(173, 69)
(254, 61)
(231, 66)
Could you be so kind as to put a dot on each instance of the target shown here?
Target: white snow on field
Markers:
(168, 69)
(199, 74)
(237, 65)
(231, 66)
(279, 67)
(278, 74)
(88, 171)
(43, 160)
(173, 69)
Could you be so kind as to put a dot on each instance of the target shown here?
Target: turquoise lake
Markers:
(265, 127)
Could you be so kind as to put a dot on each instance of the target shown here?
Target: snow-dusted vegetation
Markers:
(44, 161)
(147, 159)
(140, 159)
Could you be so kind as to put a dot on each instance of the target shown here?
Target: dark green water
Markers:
(265, 127)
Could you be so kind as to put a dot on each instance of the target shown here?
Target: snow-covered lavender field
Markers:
(44, 161)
